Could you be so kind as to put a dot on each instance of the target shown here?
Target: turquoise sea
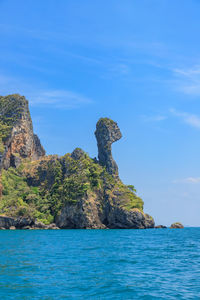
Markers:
(100, 264)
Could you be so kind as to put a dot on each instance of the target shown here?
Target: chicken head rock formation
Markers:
(71, 191)
(107, 132)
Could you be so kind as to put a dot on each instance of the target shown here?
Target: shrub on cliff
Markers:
(40, 189)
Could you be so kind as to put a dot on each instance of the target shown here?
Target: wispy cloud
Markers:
(188, 80)
(190, 119)
(156, 118)
(59, 99)
(195, 180)
(37, 96)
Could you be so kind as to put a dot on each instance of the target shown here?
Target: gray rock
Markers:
(39, 225)
(77, 153)
(84, 214)
(107, 132)
(6, 222)
(20, 222)
(94, 212)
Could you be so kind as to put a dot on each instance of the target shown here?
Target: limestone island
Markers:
(68, 192)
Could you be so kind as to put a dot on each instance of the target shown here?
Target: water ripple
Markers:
(100, 264)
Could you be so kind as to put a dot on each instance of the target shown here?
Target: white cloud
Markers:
(194, 180)
(190, 119)
(59, 99)
(37, 96)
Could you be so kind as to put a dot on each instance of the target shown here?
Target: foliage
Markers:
(41, 188)
(19, 199)
(11, 108)
(131, 188)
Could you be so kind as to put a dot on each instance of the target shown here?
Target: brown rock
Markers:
(52, 226)
(20, 141)
(177, 225)
(160, 226)
(12, 228)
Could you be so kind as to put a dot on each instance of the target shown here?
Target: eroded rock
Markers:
(94, 212)
(107, 132)
(17, 138)
(160, 226)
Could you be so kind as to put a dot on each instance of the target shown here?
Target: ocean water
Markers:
(100, 264)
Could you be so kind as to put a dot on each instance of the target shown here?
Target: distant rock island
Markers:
(72, 191)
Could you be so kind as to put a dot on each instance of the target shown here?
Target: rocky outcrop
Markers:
(17, 139)
(107, 132)
(134, 219)
(94, 212)
(160, 227)
(74, 191)
(6, 222)
(23, 223)
(85, 214)
(177, 225)
(77, 154)
(18, 223)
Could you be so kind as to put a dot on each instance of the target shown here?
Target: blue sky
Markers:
(135, 61)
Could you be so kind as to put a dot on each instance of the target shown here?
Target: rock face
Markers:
(23, 223)
(93, 212)
(17, 140)
(85, 214)
(18, 223)
(177, 225)
(107, 132)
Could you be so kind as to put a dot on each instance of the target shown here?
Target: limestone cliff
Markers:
(74, 191)
(17, 140)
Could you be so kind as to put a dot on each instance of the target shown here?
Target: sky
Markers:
(135, 61)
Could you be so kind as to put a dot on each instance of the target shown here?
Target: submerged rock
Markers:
(107, 132)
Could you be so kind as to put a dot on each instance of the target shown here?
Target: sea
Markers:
(100, 264)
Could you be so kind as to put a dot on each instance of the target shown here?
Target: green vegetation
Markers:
(106, 121)
(19, 199)
(11, 108)
(41, 188)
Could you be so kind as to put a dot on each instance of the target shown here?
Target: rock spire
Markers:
(107, 132)
(17, 140)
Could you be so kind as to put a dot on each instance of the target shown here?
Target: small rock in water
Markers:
(12, 228)
(176, 225)
(160, 226)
